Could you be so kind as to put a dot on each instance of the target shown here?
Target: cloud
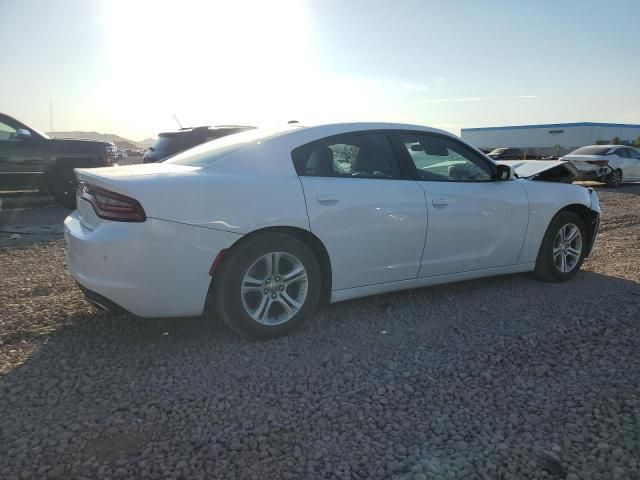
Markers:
(415, 86)
(475, 99)
(441, 80)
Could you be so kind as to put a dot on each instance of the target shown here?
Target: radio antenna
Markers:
(174, 116)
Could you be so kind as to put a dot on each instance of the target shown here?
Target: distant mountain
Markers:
(120, 142)
(147, 142)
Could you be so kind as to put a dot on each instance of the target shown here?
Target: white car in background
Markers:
(612, 164)
(260, 226)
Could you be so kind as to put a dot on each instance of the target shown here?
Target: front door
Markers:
(370, 219)
(475, 221)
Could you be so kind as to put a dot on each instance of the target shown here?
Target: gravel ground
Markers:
(505, 378)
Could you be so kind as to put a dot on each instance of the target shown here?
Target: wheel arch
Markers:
(309, 239)
(588, 216)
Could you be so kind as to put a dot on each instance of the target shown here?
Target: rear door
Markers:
(371, 219)
(475, 221)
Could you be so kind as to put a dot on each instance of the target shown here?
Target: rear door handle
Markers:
(326, 198)
(439, 202)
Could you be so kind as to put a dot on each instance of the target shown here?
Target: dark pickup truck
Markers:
(30, 160)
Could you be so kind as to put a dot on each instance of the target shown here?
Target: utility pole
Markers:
(50, 116)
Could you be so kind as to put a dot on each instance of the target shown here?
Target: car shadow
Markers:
(104, 387)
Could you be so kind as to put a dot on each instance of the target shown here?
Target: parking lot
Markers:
(502, 378)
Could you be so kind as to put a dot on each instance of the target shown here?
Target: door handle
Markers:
(326, 198)
(439, 202)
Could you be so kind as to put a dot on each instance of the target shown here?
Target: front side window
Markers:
(441, 159)
(7, 133)
(351, 156)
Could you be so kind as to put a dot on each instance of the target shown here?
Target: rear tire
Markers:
(563, 248)
(266, 287)
(64, 188)
(614, 179)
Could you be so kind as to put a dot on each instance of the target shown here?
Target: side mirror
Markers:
(504, 172)
(23, 134)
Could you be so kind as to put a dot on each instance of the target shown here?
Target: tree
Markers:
(615, 140)
(637, 142)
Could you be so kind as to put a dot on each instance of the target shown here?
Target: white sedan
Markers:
(259, 227)
(612, 164)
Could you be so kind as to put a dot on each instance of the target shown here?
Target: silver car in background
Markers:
(611, 164)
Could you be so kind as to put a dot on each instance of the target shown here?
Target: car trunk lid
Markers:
(135, 181)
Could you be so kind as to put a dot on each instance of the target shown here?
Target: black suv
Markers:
(513, 154)
(30, 160)
(170, 143)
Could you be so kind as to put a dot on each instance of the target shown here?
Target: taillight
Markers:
(111, 205)
(602, 163)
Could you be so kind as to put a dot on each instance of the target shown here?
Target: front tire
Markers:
(563, 248)
(614, 179)
(64, 188)
(266, 286)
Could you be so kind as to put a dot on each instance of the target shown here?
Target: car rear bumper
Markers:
(150, 269)
(591, 172)
(592, 175)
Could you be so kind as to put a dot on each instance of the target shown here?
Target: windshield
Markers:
(591, 151)
(208, 153)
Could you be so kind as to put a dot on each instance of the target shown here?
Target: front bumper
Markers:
(594, 223)
(150, 269)
(594, 228)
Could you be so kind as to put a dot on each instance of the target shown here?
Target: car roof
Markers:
(186, 130)
(608, 146)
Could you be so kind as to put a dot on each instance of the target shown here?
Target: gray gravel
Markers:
(505, 378)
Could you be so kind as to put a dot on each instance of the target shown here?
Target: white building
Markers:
(550, 139)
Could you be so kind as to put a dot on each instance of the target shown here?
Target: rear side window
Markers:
(368, 155)
(622, 152)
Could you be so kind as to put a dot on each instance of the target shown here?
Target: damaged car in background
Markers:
(611, 164)
(260, 227)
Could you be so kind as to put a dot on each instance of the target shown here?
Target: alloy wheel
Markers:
(274, 288)
(615, 178)
(567, 248)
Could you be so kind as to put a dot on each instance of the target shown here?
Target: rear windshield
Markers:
(210, 152)
(591, 151)
(166, 143)
(498, 150)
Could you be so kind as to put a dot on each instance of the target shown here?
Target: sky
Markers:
(127, 66)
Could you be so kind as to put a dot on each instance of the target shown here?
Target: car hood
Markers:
(547, 170)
